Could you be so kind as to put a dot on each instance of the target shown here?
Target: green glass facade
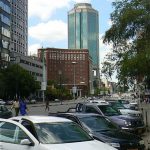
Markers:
(83, 30)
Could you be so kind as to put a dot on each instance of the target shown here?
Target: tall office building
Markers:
(19, 26)
(5, 22)
(83, 31)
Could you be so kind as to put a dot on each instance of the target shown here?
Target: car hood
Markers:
(123, 117)
(88, 145)
(115, 136)
(129, 111)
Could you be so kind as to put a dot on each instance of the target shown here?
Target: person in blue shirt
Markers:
(23, 107)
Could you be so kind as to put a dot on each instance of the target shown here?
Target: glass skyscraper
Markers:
(5, 23)
(83, 31)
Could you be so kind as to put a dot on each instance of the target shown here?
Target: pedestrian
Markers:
(47, 104)
(15, 105)
(23, 107)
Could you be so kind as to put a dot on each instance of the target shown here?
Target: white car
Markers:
(125, 111)
(2, 102)
(45, 133)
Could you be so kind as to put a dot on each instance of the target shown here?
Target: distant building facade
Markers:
(83, 31)
(19, 26)
(29, 63)
(5, 23)
(71, 66)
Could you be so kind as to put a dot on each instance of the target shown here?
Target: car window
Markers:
(97, 123)
(79, 107)
(11, 133)
(108, 110)
(7, 131)
(20, 135)
(91, 110)
(60, 132)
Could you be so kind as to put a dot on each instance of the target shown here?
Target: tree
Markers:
(130, 37)
(18, 82)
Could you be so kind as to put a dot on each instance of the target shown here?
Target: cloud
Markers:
(51, 31)
(104, 48)
(109, 22)
(44, 9)
(33, 49)
(82, 1)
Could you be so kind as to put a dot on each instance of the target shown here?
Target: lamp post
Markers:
(60, 73)
(74, 89)
(43, 85)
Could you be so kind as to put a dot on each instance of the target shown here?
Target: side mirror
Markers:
(26, 142)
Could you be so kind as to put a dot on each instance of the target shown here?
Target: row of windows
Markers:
(67, 56)
(31, 64)
(5, 7)
(5, 19)
(5, 44)
(5, 32)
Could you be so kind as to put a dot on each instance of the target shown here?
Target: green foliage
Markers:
(18, 81)
(130, 37)
(55, 91)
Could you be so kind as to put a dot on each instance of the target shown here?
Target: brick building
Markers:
(69, 67)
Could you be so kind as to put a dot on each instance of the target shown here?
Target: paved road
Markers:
(39, 109)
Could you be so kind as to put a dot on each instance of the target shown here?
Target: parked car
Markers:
(9, 102)
(126, 122)
(46, 133)
(33, 101)
(102, 129)
(2, 102)
(5, 112)
(125, 111)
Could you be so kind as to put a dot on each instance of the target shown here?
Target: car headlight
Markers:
(141, 142)
(127, 123)
(116, 145)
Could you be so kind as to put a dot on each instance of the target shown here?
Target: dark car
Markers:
(5, 112)
(126, 122)
(102, 129)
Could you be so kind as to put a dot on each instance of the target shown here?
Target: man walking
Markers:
(15, 105)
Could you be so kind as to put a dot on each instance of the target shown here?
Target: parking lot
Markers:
(39, 109)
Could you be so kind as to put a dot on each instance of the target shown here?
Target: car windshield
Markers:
(117, 105)
(108, 110)
(97, 123)
(60, 132)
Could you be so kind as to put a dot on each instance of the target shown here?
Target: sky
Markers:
(48, 23)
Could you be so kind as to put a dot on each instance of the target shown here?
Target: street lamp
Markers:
(74, 89)
(60, 73)
(43, 85)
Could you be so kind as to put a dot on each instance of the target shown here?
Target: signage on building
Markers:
(43, 86)
(74, 89)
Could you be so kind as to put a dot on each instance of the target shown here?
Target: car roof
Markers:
(97, 103)
(41, 119)
(81, 115)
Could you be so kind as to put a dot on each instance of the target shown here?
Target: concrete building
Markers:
(19, 26)
(83, 31)
(31, 64)
(70, 67)
(5, 22)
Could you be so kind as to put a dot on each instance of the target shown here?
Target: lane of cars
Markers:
(97, 118)
(125, 122)
(102, 129)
